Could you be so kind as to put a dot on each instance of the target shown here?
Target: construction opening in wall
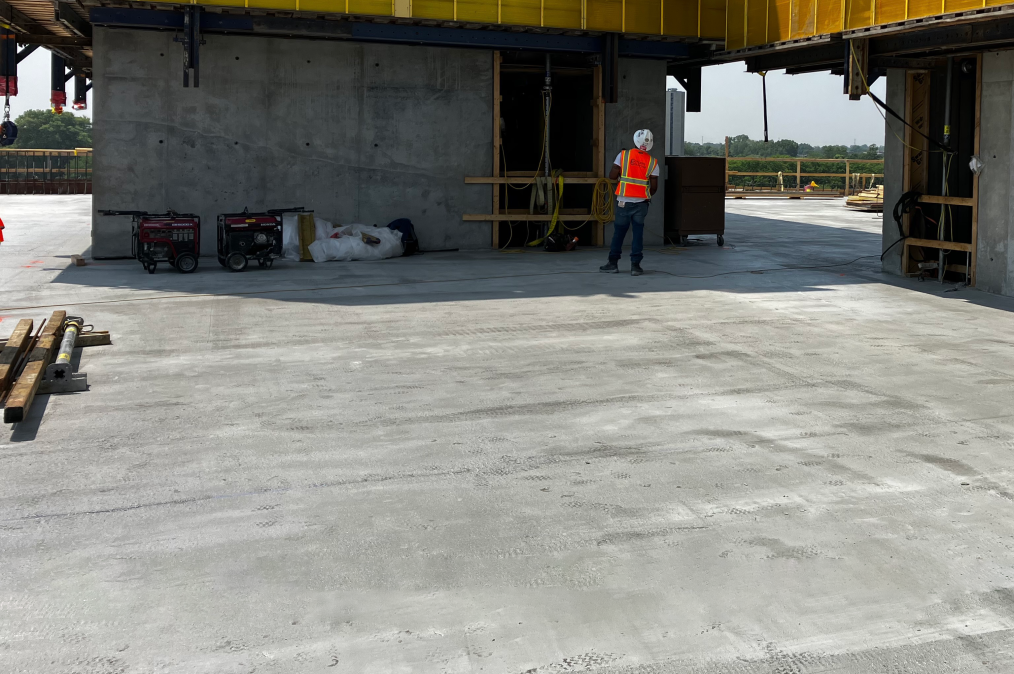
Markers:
(561, 88)
(938, 211)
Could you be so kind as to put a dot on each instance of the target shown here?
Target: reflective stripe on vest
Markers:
(635, 174)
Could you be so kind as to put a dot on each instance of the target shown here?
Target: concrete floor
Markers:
(491, 462)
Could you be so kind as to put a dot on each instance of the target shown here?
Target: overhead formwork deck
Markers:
(673, 18)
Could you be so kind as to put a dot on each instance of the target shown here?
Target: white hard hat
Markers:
(643, 140)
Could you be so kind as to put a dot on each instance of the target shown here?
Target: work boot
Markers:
(610, 267)
(635, 269)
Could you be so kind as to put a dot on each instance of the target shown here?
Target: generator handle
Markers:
(280, 211)
(123, 212)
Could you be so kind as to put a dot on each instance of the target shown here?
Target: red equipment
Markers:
(168, 237)
(245, 236)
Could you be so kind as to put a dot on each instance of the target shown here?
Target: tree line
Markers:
(42, 130)
(744, 146)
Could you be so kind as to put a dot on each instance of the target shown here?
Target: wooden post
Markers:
(799, 176)
(598, 142)
(916, 166)
(496, 145)
(13, 348)
(726, 163)
(848, 178)
(975, 177)
(23, 393)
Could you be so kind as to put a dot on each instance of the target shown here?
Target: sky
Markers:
(33, 86)
(806, 108)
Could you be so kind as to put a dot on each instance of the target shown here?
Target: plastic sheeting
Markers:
(349, 245)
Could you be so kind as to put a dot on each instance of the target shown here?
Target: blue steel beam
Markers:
(271, 26)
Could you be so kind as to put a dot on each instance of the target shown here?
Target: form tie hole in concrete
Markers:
(377, 64)
(161, 54)
(160, 142)
(237, 58)
(308, 145)
(376, 145)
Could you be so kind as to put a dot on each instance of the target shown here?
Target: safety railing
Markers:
(46, 171)
(834, 176)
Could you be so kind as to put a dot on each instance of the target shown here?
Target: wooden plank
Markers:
(77, 261)
(943, 245)
(525, 217)
(86, 339)
(25, 388)
(808, 175)
(565, 174)
(805, 160)
(13, 347)
(495, 180)
(951, 201)
(497, 59)
(975, 178)
(598, 142)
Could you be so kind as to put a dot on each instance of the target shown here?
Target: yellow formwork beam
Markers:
(751, 23)
(676, 18)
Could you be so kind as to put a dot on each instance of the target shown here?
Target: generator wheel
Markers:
(151, 267)
(236, 261)
(186, 263)
(268, 263)
(260, 262)
(721, 240)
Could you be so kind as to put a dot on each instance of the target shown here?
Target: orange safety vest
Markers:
(636, 166)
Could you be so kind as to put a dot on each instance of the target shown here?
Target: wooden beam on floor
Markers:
(27, 385)
(13, 347)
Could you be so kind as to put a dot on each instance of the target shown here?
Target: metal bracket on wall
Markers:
(690, 79)
(610, 67)
(192, 42)
(857, 67)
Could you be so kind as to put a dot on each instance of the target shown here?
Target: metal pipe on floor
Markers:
(61, 367)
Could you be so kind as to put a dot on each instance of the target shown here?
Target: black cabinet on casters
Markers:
(694, 198)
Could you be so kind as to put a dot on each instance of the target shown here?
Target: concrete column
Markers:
(894, 168)
(641, 105)
(358, 132)
(995, 268)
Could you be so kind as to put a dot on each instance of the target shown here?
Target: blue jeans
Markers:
(632, 214)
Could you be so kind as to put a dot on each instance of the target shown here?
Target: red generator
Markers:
(167, 237)
(250, 236)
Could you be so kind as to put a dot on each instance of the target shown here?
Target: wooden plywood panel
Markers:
(858, 13)
(567, 14)
(521, 12)
(919, 8)
(961, 5)
(477, 10)
(679, 17)
(829, 16)
(756, 22)
(889, 11)
(604, 14)
(779, 19)
(377, 7)
(643, 16)
(433, 9)
(803, 15)
(712, 18)
(735, 34)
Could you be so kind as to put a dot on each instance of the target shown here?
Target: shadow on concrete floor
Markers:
(756, 258)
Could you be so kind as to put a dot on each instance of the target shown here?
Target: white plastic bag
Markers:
(290, 236)
(350, 245)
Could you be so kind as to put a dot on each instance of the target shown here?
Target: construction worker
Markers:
(637, 172)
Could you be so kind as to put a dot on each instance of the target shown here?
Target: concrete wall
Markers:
(641, 105)
(894, 169)
(358, 132)
(994, 264)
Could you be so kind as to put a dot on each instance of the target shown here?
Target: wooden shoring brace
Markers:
(12, 350)
(23, 393)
